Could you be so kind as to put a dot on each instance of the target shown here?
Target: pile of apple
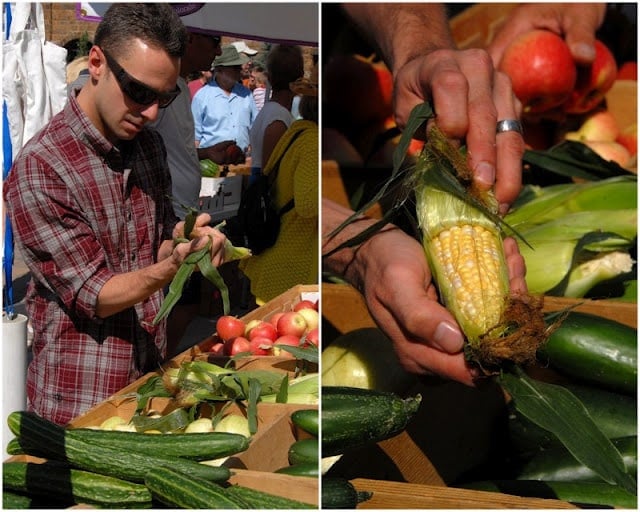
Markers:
(544, 75)
(548, 82)
(298, 328)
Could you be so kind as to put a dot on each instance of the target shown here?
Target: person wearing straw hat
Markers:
(224, 109)
(296, 248)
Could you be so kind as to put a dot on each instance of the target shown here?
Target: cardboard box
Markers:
(226, 191)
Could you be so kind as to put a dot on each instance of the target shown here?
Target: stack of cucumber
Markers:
(116, 469)
(304, 453)
(596, 359)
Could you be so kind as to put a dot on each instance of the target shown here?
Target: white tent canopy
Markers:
(284, 22)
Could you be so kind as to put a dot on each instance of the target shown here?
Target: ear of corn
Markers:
(464, 250)
(463, 244)
(579, 234)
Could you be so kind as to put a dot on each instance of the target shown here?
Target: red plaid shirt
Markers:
(83, 210)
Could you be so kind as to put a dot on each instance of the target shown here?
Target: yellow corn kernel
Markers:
(470, 263)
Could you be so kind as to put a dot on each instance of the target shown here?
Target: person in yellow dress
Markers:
(293, 260)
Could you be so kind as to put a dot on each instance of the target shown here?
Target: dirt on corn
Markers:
(518, 337)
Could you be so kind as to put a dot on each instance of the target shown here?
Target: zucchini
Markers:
(587, 494)
(197, 446)
(307, 420)
(42, 436)
(557, 463)
(60, 482)
(594, 349)
(353, 417)
(263, 500)
(304, 450)
(179, 490)
(339, 492)
(310, 469)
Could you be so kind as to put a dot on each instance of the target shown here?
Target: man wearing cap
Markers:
(224, 109)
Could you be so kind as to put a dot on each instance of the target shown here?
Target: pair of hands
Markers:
(201, 234)
(469, 96)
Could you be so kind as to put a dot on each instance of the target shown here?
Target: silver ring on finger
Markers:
(509, 125)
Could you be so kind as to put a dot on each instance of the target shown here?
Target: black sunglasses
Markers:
(136, 90)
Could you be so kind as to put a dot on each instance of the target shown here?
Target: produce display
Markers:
(195, 434)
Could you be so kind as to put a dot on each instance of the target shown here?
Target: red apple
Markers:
(629, 138)
(292, 322)
(217, 349)
(286, 339)
(593, 82)
(229, 327)
(237, 345)
(305, 304)
(311, 317)
(628, 71)
(541, 69)
(263, 330)
(612, 151)
(261, 346)
(273, 319)
(312, 337)
(600, 125)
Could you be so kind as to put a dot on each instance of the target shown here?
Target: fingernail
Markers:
(485, 173)
(503, 208)
(584, 51)
(448, 337)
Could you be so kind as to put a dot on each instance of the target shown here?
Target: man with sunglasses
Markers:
(89, 198)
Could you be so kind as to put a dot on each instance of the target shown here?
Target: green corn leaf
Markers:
(573, 159)
(283, 393)
(254, 392)
(557, 410)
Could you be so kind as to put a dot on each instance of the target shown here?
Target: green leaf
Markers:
(283, 393)
(573, 159)
(557, 410)
(254, 392)
(151, 388)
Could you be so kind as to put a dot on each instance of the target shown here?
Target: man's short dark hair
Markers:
(158, 25)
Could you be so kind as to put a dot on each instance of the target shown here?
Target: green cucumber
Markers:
(310, 469)
(304, 450)
(197, 446)
(557, 463)
(614, 413)
(264, 500)
(353, 417)
(339, 493)
(307, 419)
(594, 349)
(60, 482)
(588, 494)
(176, 489)
(42, 436)
(16, 501)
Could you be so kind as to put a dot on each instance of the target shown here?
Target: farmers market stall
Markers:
(251, 421)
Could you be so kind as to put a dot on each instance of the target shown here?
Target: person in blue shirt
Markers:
(224, 109)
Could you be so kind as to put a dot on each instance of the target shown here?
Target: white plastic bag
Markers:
(34, 80)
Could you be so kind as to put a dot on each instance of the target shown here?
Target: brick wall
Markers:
(61, 25)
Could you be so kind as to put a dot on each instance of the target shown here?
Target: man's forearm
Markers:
(125, 290)
(402, 31)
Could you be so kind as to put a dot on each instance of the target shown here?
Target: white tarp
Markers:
(283, 22)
